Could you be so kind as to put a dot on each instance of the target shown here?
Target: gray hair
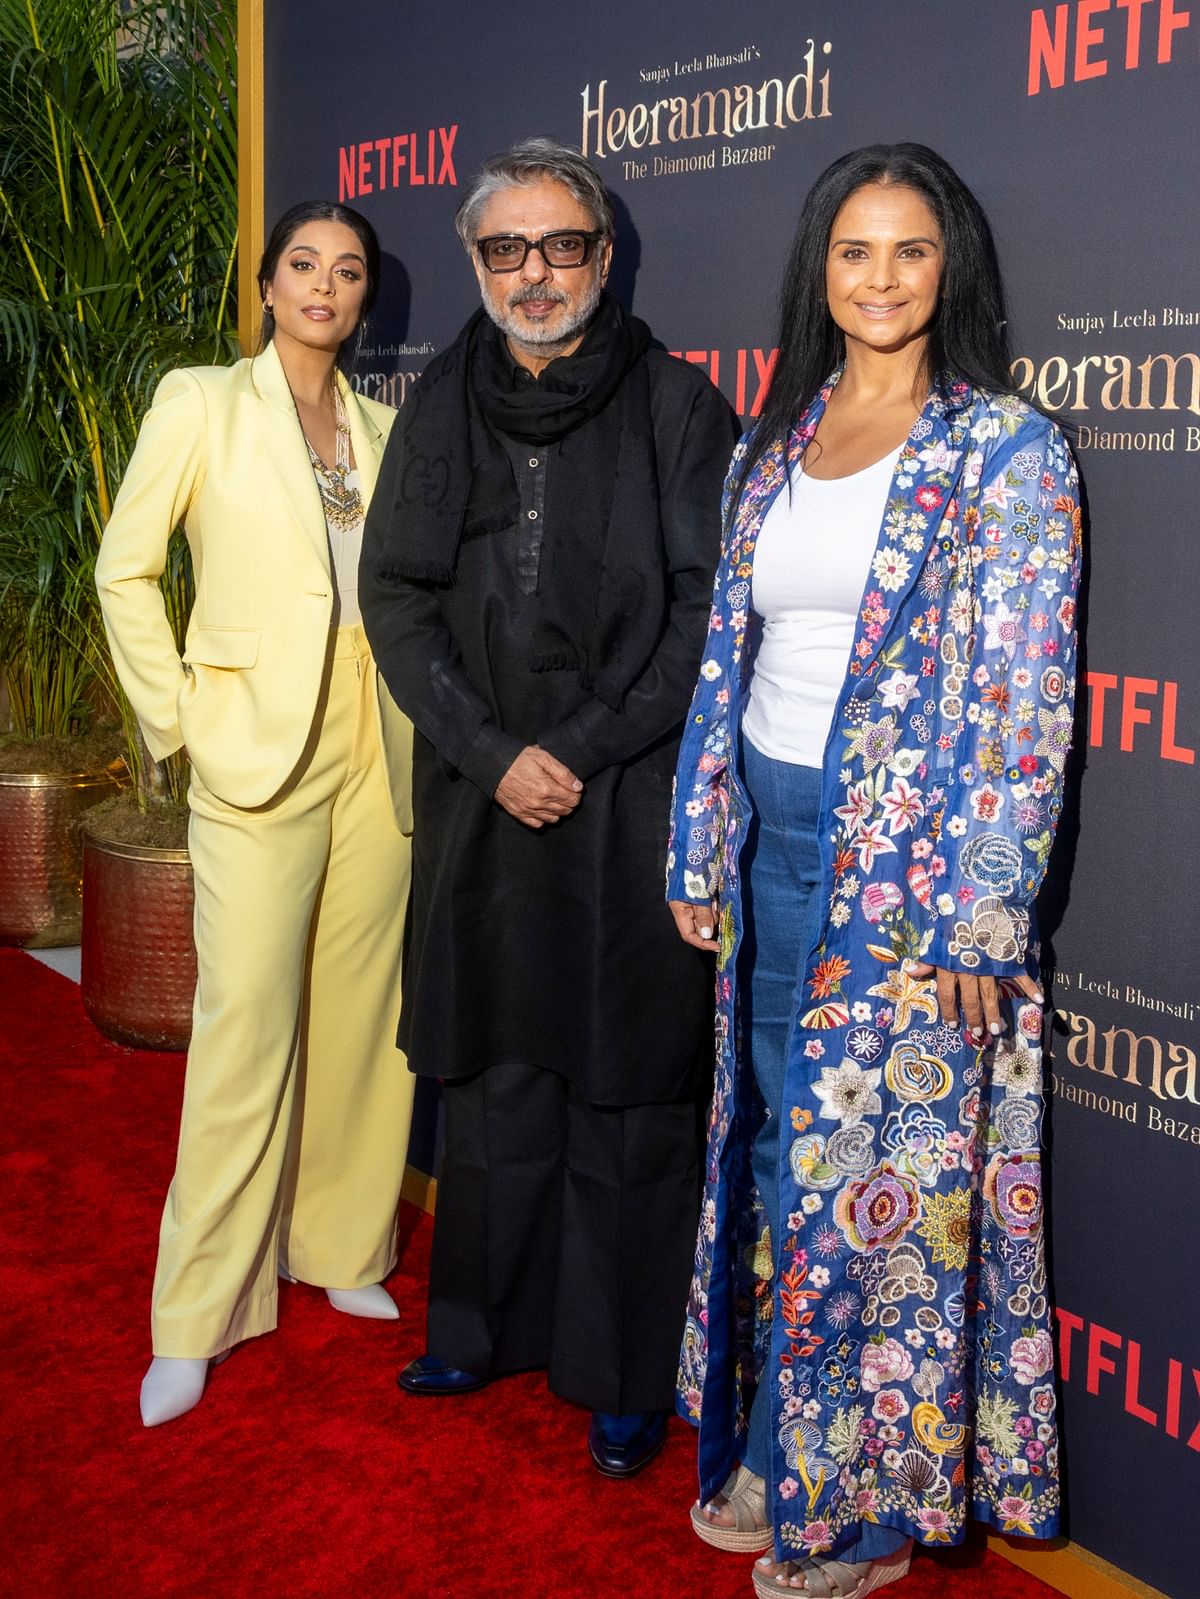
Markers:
(531, 161)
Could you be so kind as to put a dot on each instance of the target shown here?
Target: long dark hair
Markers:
(281, 236)
(969, 333)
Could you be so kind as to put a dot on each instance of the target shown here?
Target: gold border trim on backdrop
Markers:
(1071, 1569)
(421, 1190)
(250, 96)
(1067, 1567)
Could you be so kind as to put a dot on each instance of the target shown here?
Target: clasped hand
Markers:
(537, 789)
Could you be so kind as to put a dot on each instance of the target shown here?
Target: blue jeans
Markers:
(781, 903)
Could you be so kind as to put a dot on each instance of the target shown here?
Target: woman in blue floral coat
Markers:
(868, 1348)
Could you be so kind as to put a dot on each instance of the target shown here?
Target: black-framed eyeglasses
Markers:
(568, 247)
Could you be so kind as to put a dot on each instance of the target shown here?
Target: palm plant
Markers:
(118, 207)
(50, 675)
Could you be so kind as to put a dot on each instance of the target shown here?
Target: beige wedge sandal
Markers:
(745, 1494)
(835, 1579)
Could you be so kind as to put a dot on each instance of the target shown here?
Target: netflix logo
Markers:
(1137, 702)
(749, 371)
(1105, 1359)
(1088, 38)
(403, 160)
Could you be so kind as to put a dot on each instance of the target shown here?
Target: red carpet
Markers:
(304, 1471)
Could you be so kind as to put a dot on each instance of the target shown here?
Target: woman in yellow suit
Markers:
(296, 1104)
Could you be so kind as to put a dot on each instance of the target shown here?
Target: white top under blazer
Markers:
(811, 563)
(345, 550)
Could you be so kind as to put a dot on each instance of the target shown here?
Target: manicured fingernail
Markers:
(995, 1029)
(577, 785)
(706, 932)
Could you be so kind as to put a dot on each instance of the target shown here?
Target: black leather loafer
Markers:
(622, 1445)
(429, 1375)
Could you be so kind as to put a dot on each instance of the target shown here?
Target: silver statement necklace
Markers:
(341, 501)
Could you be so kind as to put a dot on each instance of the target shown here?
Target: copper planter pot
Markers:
(41, 853)
(139, 959)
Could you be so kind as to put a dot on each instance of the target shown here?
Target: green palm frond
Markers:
(118, 207)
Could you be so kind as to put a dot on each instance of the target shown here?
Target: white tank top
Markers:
(810, 569)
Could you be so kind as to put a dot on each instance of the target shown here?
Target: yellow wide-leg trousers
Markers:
(296, 1103)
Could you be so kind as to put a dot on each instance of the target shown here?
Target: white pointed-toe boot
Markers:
(374, 1302)
(170, 1388)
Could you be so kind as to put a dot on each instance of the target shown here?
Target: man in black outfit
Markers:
(535, 583)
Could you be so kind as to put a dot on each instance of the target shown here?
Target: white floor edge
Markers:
(65, 960)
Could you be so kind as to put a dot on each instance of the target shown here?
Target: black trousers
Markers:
(564, 1237)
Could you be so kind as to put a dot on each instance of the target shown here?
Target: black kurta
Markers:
(554, 947)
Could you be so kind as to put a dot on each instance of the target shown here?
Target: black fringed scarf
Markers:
(452, 479)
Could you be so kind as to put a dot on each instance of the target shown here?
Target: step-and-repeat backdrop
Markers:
(1076, 125)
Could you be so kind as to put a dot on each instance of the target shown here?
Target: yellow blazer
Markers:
(221, 451)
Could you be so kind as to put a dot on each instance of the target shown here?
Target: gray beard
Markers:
(541, 341)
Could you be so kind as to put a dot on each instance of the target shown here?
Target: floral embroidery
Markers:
(946, 1228)
(879, 1209)
(909, 1352)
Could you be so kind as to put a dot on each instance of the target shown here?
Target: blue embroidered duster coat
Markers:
(905, 1330)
